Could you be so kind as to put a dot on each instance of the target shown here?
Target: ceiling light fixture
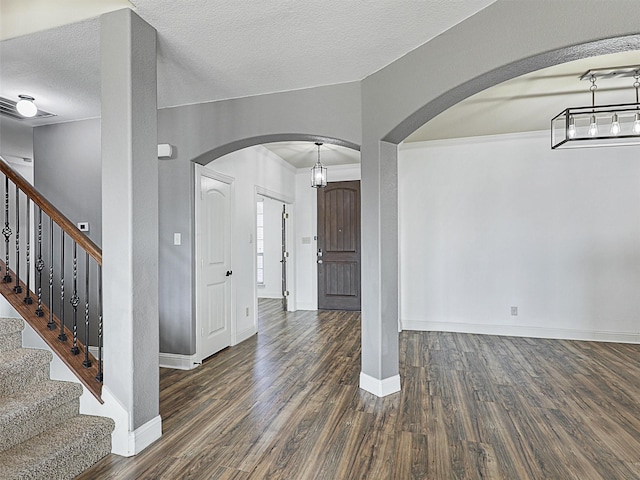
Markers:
(26, 107)
(319, 172)
(599, 126)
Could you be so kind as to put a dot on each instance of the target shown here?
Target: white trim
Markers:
(445, 142)
(523, 331)
(245, 334)
(280, 197)
(380, 388)
(145, 435)
(306, 306)
(177, 361)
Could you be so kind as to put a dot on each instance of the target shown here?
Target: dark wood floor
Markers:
(286, 405)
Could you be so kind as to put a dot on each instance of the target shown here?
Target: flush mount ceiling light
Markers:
(26, 107)
(319, 172)
(600, 125)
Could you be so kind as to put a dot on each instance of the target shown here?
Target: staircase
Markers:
(42, 434)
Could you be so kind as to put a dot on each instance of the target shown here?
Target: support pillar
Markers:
(130, 223)
(379, 186)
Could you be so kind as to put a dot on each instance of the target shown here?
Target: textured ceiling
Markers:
(213, 50)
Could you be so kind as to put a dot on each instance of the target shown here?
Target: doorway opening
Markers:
(274, 265)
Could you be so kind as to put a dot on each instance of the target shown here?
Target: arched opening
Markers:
(242, 178)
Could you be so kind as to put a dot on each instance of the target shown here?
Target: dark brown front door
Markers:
(339, 246)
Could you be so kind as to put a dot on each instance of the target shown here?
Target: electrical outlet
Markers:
(514, 311)
(246, 312)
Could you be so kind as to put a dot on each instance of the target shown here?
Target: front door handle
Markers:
(229, 273)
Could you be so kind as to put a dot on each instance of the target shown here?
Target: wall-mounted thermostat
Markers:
(83, 226)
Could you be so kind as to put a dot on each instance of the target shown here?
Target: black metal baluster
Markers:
(75, 301)
(99, 377)
(39, 265)
(51, 325)
(63, 336)
(87, 362)
(17, 288)
(27, 299)
(6, 231)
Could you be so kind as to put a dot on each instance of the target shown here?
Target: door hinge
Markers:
(285, 293)
(286, 254)
(285, 215)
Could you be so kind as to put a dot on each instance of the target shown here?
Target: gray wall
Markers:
(67, 171)
(16, 138)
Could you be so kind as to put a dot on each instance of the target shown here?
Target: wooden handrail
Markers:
(52, 212)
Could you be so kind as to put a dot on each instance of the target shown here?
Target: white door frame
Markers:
(203, 171)
(291, 261)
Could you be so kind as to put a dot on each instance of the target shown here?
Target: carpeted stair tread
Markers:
(21, 368)
(61, 452)
(10, 325)
(10, 333)
(33, 410)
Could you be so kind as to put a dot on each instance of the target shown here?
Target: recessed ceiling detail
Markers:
(8, 109)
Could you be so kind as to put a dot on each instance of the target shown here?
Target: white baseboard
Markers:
(306, 306)
(522, 331)
(380, 388)
(180, 362)
(243, 335)
(145, 435)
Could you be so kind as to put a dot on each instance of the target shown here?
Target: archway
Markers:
(382, 134)
(252, 171)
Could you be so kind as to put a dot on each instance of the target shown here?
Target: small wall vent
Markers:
(8, 108)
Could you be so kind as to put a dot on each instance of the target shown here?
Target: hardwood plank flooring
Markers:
(285, 404)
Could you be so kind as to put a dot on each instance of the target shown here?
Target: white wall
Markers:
(254, 170)
(272, 287)
(306, 212)
(494, 222)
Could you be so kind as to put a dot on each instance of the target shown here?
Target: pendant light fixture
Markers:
(600, 126)
(319, 172)
(26, 106)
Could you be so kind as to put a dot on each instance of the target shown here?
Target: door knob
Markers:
(319, 261)
(228, 274)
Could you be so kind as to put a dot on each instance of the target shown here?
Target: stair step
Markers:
(61, 452)
(30, 412)
(10, 333)
(21, 368)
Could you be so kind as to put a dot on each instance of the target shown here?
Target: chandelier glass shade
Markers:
(599, 125)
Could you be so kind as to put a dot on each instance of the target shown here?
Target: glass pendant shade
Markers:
(318, 172)
(26, 107)
(572, 127)
(319, 176)
(593, 127)
(615, 125)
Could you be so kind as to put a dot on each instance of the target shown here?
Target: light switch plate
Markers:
(177, 239)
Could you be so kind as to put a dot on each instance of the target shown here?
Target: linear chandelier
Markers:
(599, 125)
